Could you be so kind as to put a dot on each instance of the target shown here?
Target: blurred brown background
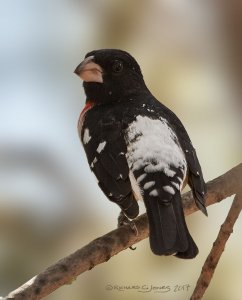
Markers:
(50, 205)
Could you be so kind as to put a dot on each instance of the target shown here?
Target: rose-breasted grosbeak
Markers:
(138, 149)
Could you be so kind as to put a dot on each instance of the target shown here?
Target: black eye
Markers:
(117, 66)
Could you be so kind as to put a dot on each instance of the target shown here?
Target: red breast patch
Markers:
(86, 108)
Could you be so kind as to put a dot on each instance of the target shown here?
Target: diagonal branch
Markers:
(106, 246)
(217, 249)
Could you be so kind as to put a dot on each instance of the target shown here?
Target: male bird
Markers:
(138, 149)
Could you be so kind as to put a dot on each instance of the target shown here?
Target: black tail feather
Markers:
(191, 251)
(168, 231)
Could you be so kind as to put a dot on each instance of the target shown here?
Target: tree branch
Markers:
(217, 249)
(106, 246)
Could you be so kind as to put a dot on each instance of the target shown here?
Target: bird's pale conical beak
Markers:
(89, 71)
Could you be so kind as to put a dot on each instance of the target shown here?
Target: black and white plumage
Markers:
(138, 149)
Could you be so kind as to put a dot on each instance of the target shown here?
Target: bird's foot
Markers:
(124, 220)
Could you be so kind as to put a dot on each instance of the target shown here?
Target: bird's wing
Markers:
(106, 153)
(159, 167)
(195, 175)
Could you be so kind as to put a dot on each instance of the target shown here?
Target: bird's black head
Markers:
(110, 75)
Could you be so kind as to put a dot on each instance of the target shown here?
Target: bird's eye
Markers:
(117, 66)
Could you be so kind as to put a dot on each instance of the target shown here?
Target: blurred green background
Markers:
(50, 204)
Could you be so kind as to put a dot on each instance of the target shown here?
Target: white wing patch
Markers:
(141, 177)
(152, 145)
(93, 162)
(86, 136)
(176, 185)
(101, 146)
(169, 189)
(148, 185)
(153, 193)
(158, 167)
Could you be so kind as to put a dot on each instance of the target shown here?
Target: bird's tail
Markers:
(168, 230)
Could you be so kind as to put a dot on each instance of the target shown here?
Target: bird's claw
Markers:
(133, 227)
(123, 220)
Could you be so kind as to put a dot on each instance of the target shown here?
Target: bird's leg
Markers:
(124, 220)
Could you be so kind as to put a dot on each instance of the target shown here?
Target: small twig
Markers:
(217, 249)
(103, 248)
